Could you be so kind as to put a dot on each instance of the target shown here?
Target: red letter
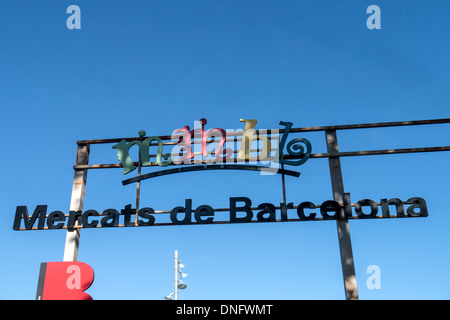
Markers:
(64, 281)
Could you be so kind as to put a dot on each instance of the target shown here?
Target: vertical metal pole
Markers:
(138, 191)
(176, 276)
(283, 184)
(345, 245)
(76, 203)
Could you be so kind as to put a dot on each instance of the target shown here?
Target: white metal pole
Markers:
(76, 203)
(176, 276)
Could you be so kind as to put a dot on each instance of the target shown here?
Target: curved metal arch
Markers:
(209, 167)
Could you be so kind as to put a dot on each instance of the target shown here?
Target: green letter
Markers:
(123, 155)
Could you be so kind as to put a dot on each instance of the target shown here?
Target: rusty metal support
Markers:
(345, 244)
(283, 183)
(138, 191)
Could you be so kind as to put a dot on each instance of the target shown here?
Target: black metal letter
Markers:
(204, 211)
(301, 213)
(188, 212)
(245, 208)
(398, 207)
(84, 219)
(73, 217)
(347, 205)
(55, 216)
(330, 206)
(145, 213)
(22, 212)
(110, 214)
(266, 208)
(283, 208)
(127, 213)
(366, 202)
(417, 202)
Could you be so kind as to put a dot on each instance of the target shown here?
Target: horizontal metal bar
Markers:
(225, 222)
(313, 155)
(195, 139)
(372, 125)
(227, 209)
(304, 129)
(380, 152)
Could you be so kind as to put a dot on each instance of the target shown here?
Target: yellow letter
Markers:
(248, 137)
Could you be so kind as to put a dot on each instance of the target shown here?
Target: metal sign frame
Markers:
(333, 154)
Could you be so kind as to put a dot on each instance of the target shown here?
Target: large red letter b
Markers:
(64, 281)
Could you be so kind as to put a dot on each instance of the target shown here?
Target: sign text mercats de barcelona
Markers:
(200, 149)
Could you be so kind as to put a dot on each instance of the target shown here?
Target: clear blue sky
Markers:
(161, 65)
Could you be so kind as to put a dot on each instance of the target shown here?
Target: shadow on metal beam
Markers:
(211, 167)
